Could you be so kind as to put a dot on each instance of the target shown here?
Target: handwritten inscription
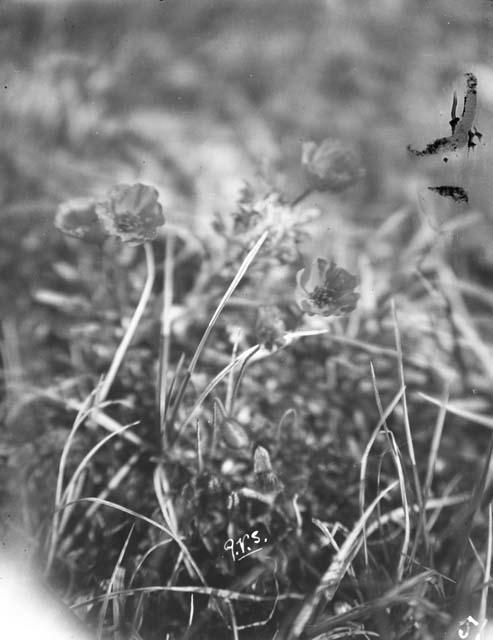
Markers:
(246, 545)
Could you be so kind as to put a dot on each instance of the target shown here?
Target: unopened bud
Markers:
(330, 165)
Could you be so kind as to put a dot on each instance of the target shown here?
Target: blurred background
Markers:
(196, 97)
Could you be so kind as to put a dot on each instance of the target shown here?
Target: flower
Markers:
(330, 165)
(270, 327)
(326, 289)
(131, 212)
(77, 217)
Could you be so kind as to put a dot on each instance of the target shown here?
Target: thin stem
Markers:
(239, 379)
(132, 326)
(304, 194)
(166, 325)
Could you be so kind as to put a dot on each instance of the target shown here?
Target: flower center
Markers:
(126, 222)
(321, 296)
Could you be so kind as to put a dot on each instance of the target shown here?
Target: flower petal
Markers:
(321, 270)
(302, 279)
(77, 218)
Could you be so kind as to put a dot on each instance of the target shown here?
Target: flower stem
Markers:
(132, 326)
(166, 328)
(304, 194)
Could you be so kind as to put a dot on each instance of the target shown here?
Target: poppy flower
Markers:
(330, 165)
(77, 218)
(132, 213)
(325, 289)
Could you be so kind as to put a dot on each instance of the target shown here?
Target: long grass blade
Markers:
(330, 580)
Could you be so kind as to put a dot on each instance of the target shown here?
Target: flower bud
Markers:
(233, 434)
(330, 165)
(265, 478)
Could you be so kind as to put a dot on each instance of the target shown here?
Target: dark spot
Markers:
(458, 194)
(125, 222)
(321, 296)
(432, 148)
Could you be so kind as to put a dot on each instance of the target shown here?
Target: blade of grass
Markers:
(174, 381)
(447, 491)
(396, 464)
(84, 462)
(461, 525)
(435, 443)
(162, 491)
(487, 573)
(237, 335)
(230, 290)
(365, 457)
(330, 580)
(102, 419)
(135, 514)
(477, 418)
(237, 383)
(132, 326)
(159, 544)
(407, 425)
(405, 506)
(225, 594)
(211, 386)
(234, 624)
(463, 321)
(113, 484)
(104, 607)
(190, 617)
(263, 623)
(82, 413)
(437, 434)
(397, 515)
(401, 593)
(253, 354)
